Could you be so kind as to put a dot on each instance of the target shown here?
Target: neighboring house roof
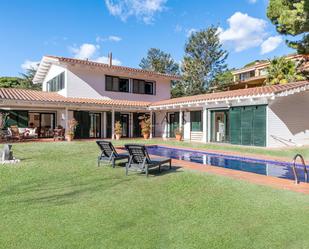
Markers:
(48, 60)
(33, 96)
(55, 98)
(255, 92)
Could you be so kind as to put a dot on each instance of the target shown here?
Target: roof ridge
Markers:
(84, 61)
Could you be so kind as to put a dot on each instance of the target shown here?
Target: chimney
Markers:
(110, 57)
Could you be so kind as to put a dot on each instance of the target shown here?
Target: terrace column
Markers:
(66, 121)
(204, 124)
(165, 127)
(180, 119)
(104, 124)
(151, 125)
(113, 124)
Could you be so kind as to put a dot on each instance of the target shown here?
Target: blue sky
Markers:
(93, 28)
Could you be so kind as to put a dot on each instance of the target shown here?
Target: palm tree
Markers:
(28, 79)
(282, 71)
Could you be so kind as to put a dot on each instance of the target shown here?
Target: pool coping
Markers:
(231, 156)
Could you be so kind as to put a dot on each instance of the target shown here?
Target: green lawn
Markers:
(58, 198)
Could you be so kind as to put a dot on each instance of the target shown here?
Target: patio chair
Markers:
(108, 153)
(15, 134)
(59, 134)
(140, 160)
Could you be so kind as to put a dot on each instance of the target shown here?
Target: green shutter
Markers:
(246, 125)
(259, 126)
(235, 121)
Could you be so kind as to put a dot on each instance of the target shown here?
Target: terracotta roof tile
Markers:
(32, 95)
(256, 91)
(52, 97)
(93, 63)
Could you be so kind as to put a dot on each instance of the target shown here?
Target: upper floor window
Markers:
(247, 75)
(263, 72)
(143, 87)
(116, 84)
(56, 83)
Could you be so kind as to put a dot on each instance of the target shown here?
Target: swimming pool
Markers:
(257, 166)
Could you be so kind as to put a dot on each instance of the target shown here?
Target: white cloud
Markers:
(85, 51)
(29, 64)
(104, 59)
(252, 1)
(178, 28)
(91, 52)
(190, 31)
(271, 44)
(144, 10)
(112, 38)
(244, 31)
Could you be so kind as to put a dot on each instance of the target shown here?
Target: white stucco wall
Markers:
(187, 126)
(90, 83)
(53, 72)
(61, 119)
(159, 125)
(288, 121)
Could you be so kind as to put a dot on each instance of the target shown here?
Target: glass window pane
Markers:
(149, 88)
(108, 82)
(196, 121)
(115, 84)
(141, 88)
(135, 86)
(123, 85)
(56, 84)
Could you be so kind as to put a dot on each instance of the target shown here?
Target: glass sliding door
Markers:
(220, 126)
(173, 123)
(196, 121)
(83, 127)
(47, 124)
(124, 120)
(95, 125)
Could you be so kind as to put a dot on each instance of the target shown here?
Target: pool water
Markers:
(257, 166)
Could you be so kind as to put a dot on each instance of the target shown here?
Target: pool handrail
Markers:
(295, 171)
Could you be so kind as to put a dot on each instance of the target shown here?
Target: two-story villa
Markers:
(97, 95)
(255, 75)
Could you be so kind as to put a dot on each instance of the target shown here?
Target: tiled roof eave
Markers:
(200, 103)
(270, 92)
(70, 104)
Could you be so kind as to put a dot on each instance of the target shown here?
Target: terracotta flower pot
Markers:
(178, 137)
(118, 136)
(69, 137)
(146, 135)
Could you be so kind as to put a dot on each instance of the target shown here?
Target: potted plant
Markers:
(178, 134)
(71, 131)
(118, 130)
(146, 127)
